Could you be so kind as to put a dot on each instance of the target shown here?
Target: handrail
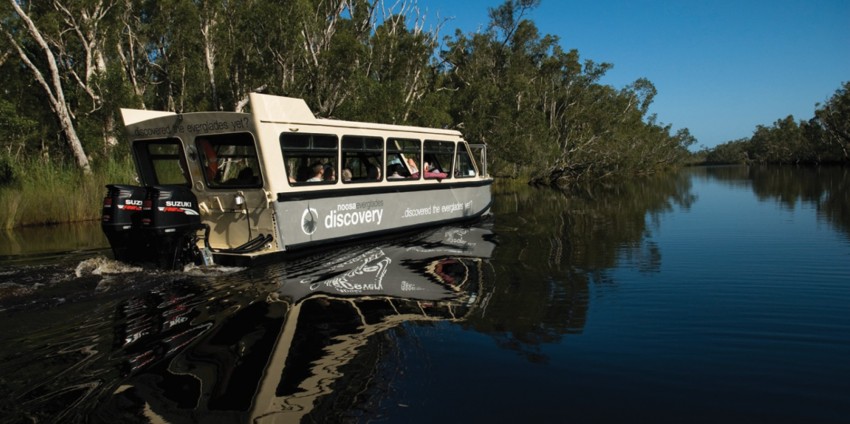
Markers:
(481, 149)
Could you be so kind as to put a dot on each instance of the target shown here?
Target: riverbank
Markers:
(37, 194)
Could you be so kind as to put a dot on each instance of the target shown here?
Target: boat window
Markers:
(310, 158)
(229, 160)
(362, 159)
(438, 159)
(404, 158)
(161, 162)
(464, 166)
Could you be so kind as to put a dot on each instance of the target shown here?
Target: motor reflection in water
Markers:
(314, 340)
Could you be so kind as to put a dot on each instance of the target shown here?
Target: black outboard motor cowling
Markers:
(170, 209)
(156, 225)
(121, 220)
(171, 220)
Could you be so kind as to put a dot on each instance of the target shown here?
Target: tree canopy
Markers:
(541, 110)
(825, 138)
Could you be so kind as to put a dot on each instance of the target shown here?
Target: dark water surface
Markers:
(715, 295)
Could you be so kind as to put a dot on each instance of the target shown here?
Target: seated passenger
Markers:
(330, 173)
(411, 165)
(373, 173)
(434, 172)
(318, 170)
(346, 175)
(393, 172)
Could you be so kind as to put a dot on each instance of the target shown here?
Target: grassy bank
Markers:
(508, 185)
(34, 192)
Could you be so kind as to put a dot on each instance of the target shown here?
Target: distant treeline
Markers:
(823, 139)
(69, 66)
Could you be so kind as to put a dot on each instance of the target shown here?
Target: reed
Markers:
(503, 185)
(49, 193)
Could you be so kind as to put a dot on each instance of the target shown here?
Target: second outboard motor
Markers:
(171, 220)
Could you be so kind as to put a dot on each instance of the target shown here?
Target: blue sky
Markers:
(721, 67)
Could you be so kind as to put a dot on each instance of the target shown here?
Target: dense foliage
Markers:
(825, 138)
(540, 109)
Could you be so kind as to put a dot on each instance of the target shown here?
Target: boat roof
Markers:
(286, 110)
(134, 116)
(279, 109)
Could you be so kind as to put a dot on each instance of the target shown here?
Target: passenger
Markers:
(394, 172)
(411, 165)
(346, 175)
(318, 169)
(373, 173)
(434, 172)
(330, 173)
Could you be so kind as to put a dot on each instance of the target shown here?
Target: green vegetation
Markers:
(38, 193)
(823, 139)
(542, 110)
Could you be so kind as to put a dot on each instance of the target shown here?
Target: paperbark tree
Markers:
(130, 51)
(834, 117)
(209, 21)
(331, 54)
(84, 27)
(50, 80)
(401, 53)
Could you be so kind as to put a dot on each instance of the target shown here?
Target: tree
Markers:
(834, 118)
(825, 138)
(47, 75)
(732, 152)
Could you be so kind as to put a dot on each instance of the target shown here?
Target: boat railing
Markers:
(480, 153)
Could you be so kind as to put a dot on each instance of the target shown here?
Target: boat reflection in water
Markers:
(312, 348)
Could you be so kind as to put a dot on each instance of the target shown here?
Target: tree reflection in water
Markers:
(827, 188)
(554, 244)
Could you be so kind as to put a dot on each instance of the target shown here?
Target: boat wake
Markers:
(102, 265)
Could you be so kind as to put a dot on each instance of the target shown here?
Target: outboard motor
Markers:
(171, 220)
(121, 221)
(157, 225)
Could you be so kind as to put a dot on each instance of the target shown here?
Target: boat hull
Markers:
(305, 221)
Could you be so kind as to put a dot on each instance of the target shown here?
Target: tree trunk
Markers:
(129, 23)
(207, 29)
(85, 23)
(54, 90)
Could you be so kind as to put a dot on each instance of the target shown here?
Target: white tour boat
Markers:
(229, 187)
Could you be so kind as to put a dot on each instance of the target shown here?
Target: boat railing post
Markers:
(482, 157)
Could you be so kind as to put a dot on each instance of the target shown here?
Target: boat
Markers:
(231, 187)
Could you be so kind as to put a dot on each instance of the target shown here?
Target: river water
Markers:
(713, 295)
